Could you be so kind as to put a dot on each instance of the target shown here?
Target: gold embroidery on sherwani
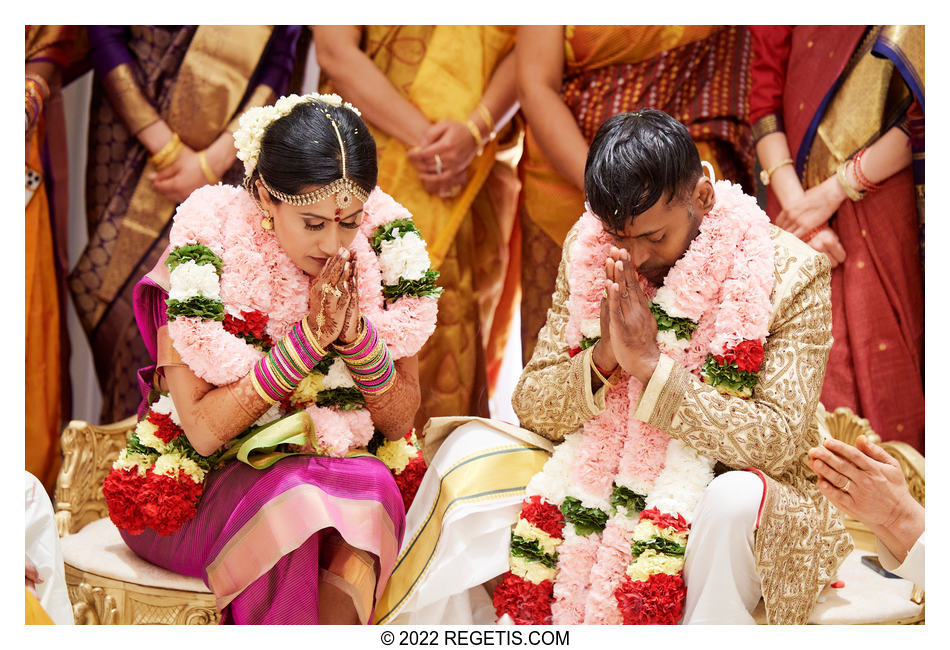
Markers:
(800, 541)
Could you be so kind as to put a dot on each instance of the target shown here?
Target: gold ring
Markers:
(846, 486)
(605, 293)
(331, 290)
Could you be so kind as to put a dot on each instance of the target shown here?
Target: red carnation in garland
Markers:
(658, 601)
(167, 502)
(525, 602)
(749, 355)
(167, 429)
(121, 489)
(409, 479)
(664, 520)
(250, 323)
(545, 516)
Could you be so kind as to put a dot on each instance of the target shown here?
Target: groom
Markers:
(766, 532)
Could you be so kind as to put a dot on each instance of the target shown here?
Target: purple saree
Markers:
(265, 540)
(198, 80)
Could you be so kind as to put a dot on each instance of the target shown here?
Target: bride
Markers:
(275, 449)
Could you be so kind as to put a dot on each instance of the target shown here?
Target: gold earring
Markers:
(267, 223)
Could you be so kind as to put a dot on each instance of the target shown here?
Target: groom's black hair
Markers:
(301, 150)
(635, 160)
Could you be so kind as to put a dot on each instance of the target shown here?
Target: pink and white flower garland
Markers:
(233, 292)
(627, 490)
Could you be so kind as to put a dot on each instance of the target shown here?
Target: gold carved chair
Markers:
(107, 582)
(866, 597)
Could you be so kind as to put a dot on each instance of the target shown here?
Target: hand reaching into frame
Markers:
(827, 242)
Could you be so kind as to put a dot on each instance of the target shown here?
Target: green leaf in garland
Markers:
(627, 498)
(682, 327)
(198, 307)
(660, 545)
(385, 232)
(183, 447)
(734, 381)
(346, 399)
(425, 287)
(585, 520)
(134, 445)
(588, 342)
(531, 550)
(375, 442)
(197, 253)
(323, 366)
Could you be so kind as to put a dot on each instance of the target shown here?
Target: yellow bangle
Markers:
(260, 391)
(312, 338)
(593, 366)
(168, 154)
(206, 168)
(852, 193)
(475, 134)
(489, 122)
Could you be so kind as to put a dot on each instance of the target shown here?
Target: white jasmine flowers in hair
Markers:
(190, 280)
(255, 121)
(403, 257)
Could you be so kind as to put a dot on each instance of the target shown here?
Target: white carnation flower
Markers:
(685, 475)
(590, 328)
(270, 415)
(669, 339)
(338, 376)
(190, 280)
(166, 406)
(665, 299)
(403, 257)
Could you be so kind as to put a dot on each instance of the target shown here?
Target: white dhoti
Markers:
(459, 525)
(45, 551)
(722, 586)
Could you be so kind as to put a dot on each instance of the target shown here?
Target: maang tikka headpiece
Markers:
(248, 142)
(344, 188)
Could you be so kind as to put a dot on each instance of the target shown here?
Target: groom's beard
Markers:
(657, 271)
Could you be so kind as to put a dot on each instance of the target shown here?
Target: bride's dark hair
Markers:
(300, 150)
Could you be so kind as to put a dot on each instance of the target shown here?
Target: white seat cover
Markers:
(98, 548)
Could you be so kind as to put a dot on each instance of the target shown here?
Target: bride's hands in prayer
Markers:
(352, 316)
(329, 298)
(629, 323)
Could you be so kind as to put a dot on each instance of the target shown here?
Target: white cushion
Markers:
(866, 596)
(98, 548)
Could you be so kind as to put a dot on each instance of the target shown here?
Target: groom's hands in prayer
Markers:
(627, 327)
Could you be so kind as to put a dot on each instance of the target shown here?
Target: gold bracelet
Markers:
(489, 122)
(593, 366)
(206, 168)
(475, 134)
(766, 176)
(852, 193)
(168, 154)
(312, 338)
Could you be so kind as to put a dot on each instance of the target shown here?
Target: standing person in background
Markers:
(164, 109)
(838, 118)
(572, 78)
(49, 52)
(438, 99)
